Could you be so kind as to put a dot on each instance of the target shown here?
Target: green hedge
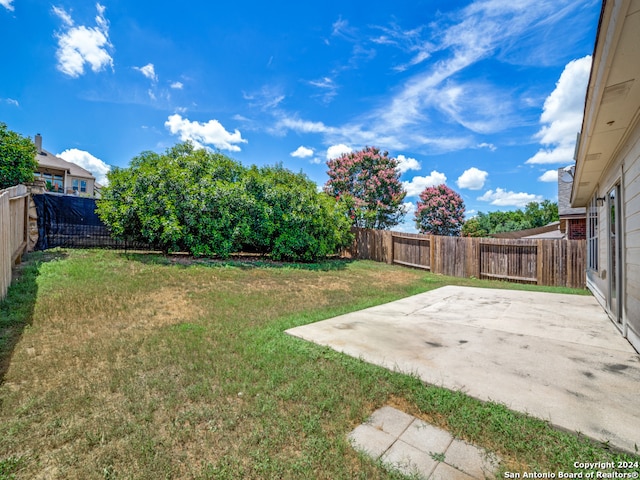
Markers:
(207, 204)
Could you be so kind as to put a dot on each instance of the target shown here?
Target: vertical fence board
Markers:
(5, 244)
(13, 231)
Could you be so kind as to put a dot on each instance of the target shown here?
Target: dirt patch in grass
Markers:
(166, 306)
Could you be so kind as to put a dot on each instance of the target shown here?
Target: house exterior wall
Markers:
(67, 181)
(624, 169)
(89, 186)
(631, 212)
(576, 229)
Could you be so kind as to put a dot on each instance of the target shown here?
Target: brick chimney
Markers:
(38, 142)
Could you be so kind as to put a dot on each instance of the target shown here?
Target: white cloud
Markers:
(303, 126)
(422, 55)
(148, 71)
(12, 101)
(316, 161)
(472, 178)
(409, 208)
(417, 184)
(562, 114)
(82, 45)
(62, 14)
(302, 152)
(405, 164)
(550, 176)
(553, 155)
(410, 41)
(267, 98)
(97, 167)
(335, 151)
(7, 4)
(475, 105)
(342, 29)
(328, 86)
(177, 85)
(490, 146)
(200, 134)
(502, 198)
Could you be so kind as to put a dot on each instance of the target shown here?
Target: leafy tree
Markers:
(440, 211)
(472, 228)
(207, 204)
(17, 158)
(368, 183)
(534, 215)
(541, 214)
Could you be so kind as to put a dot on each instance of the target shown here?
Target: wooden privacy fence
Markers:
(14, 222)
(554, 262)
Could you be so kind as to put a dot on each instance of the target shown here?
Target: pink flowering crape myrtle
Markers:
(368, 183)
(440, 211)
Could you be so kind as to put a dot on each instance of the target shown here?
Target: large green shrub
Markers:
(300, 222)
(209, 205)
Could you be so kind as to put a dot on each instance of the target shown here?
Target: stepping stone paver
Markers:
(413, 446)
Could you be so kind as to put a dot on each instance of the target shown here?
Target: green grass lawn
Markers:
(137, 366)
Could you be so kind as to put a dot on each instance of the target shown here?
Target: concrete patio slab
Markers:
(556, 357)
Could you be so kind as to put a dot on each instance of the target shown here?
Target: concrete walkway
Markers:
(556, 357)
(414, 447)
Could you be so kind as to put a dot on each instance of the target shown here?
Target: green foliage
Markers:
(17, 158)
(209, 205)
(290, 218)
(541, 214)
(368, 183)
(440, 211)
(472, 228)
(534, 215)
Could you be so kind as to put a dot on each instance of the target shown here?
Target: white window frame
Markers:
(592, 235)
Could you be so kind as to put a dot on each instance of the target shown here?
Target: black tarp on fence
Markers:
(69, 221)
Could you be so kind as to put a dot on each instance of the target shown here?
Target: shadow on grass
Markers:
(247, 261)
(16, 310)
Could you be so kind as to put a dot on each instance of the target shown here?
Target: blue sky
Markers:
(485, 96)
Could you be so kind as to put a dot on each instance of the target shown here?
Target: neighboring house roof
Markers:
(553, 234)
(531, 232)
(47, 159)
(565, 184)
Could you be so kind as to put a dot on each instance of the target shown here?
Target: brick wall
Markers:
(577, 229)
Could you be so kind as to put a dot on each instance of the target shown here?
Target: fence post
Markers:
(539, 262)
(387, 246)
(5, 244)
(432, 253)
(472, 263)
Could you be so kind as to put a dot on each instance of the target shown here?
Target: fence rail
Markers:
(543, 262)
(14, 211)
